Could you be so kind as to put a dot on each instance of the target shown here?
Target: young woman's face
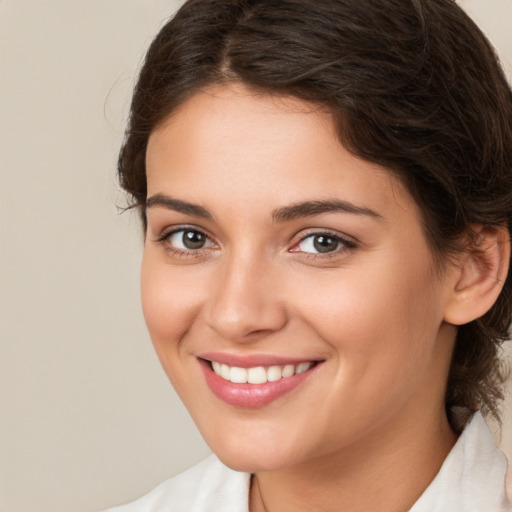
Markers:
(274, 255)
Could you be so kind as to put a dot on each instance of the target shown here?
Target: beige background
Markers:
(87, 418)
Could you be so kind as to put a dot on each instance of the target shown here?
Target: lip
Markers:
(251, 396)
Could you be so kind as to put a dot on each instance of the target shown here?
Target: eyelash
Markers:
(164, 238)
(346, 245)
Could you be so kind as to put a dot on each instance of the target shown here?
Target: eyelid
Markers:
(305, 233)
(170, 230)
(165, 235)
(348, 243)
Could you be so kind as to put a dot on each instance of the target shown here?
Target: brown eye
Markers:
(188, 240)
(321, 243)
(324, 243)
(193, 239)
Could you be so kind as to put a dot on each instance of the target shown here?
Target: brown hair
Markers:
(413, 85)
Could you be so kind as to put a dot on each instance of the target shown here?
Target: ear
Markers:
(480, 275)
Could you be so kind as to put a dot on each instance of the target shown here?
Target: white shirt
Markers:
(471, 479)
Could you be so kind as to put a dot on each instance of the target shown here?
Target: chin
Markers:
(249, 455)
(252, 462)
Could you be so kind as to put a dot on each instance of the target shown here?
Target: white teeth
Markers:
(288, 370)
(302, 367)
(258, 374)
(274, 373)
(238, 375)
(225, 371)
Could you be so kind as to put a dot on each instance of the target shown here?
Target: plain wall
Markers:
(87, 417)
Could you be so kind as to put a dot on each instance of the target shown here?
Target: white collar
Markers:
(472, 478)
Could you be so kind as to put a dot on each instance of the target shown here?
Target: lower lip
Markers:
(251, 396)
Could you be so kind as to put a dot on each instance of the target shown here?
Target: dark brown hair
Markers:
(413, 85)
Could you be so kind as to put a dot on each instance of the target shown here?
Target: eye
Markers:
(321, 243)
(187, 240)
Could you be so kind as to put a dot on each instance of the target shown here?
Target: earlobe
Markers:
(480, 277)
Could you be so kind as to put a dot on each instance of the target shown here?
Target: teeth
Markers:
(225, 371)
(258, 374)
(238, 375)
(288, 370)
(302, 367)
(274, 373)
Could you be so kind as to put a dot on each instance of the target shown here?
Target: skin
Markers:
(367, 429)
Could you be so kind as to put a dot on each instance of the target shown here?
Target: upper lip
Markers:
(252, 360)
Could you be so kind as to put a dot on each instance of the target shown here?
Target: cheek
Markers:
(382, 332)
(378, 321)
(169, 303)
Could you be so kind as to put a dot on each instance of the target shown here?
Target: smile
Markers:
(259, 374)
(247, 385)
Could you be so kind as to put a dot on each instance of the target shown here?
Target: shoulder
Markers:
(472, 478)
(208, 486)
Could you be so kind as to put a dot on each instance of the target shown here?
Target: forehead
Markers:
(232, 145)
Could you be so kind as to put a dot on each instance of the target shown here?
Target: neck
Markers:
(388, 473)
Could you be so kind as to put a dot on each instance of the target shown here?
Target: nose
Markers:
(246, 302)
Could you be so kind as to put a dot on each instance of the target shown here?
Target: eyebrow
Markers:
(312, 208)
(283, 214)
(164, 201)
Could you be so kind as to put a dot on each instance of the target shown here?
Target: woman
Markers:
(326, 194)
